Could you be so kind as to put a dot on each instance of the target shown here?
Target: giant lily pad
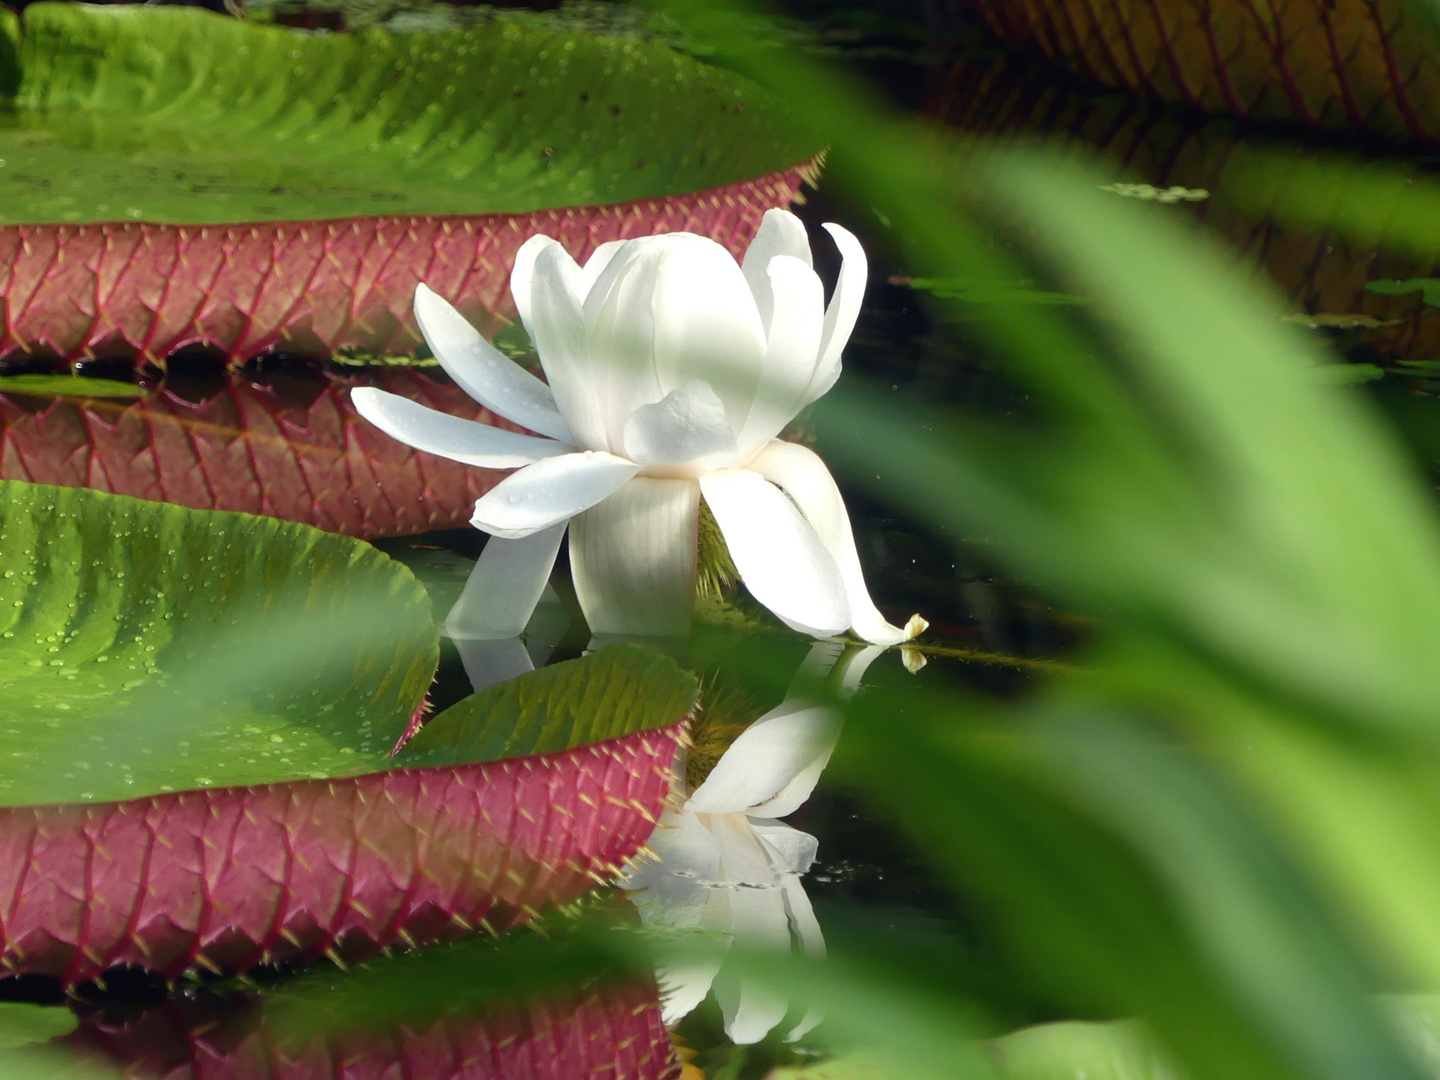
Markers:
(251, 450)
(141, 135)
(1249, 58)
(111, 697)
(1329, 277)
(114, 612)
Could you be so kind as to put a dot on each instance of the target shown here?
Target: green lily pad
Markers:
(22, 1024)
(69, 386)
(180, 115)
(146, 647)
(617, 691)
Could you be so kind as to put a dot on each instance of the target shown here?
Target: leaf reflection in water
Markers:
(611, 1030)
(726, 865)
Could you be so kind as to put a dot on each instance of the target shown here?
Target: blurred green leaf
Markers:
(21, 1023)
(1069, 1050)
(1428, 288)
(36, 1063)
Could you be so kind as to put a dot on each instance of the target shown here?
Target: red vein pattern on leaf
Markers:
(247, 449)
(229, 878)
(614, 1031)
(311, 285)
(1344, 65)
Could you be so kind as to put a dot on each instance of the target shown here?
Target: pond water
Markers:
(208, 437)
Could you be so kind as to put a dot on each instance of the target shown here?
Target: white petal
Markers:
(805, 479)
(633, 558)
(684, 983)
(744, 860)
(687, 425)
(687, 857)
(772, 767)
(792, 349)
(819, 662)
(550, 492)
(812, 943)
(759, 919)
(677, 308)
(780, 233)
(478, 368)
(780, 559)
(503, 589)
(556, 292)
(793, 851)
(466, 441)
(844, 309)
(521, 272)
(856, 663)
(491, 661)
(600, 259)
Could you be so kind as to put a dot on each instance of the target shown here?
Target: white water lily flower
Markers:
(724, 863)
(671, 370)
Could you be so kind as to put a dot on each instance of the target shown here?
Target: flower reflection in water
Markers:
(725, 863)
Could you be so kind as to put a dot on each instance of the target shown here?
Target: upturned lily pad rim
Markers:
(498, 118)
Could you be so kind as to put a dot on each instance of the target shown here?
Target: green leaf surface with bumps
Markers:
(617, 691)
(175, 114)
(146, 647)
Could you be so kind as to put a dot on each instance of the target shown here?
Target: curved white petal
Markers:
(759, 921)
(491, 661)
(792, 349)
(856, 663)
(777, 553)
(667, 311)
(521, 271)
(844, 309)
(686, 426)
(466, 441)
(772, 767)
(550, 492)
(633, 558)
(501, 593)
(780, 233)
(805, 479)
(812, 943)
(555, 294)
(600, 258)
(684, 982)
(478, 368)
(676, 890)
(792, 851)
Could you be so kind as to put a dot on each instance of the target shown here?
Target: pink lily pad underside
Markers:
(1341, 65)
(614, 1031)
(245, 449)
(134, 288)
(226, 879)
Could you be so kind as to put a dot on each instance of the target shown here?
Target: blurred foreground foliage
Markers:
(1223, 832)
